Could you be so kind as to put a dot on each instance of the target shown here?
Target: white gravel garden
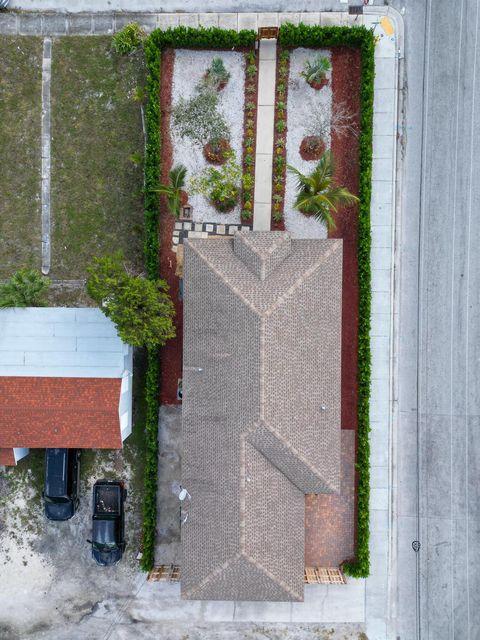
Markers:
(189, 72)
(302, 103)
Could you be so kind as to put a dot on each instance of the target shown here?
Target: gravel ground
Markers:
(302, 103)
(190, 66)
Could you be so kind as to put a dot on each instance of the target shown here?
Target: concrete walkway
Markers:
(46, 159)
(262, 201)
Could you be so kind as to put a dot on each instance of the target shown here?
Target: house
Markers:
(65, 381)
(261, 409)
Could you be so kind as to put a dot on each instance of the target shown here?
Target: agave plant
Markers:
(317, 193)
(315, 70)
(217, 76)
(173, 191)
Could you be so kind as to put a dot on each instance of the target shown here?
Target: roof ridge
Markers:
(289, 446)
(278, 581)
(301, 279)
(213, 574)
(225, 281)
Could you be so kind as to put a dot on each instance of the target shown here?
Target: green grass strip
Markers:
(180, 37)
(359, 37)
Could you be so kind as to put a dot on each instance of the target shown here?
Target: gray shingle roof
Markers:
(261, 408)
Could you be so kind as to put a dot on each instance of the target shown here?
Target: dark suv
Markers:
(62, 470)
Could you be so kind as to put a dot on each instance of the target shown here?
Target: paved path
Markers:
(439, 383)
(262, 206)
(46, 157)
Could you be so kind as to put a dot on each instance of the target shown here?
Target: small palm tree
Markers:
(173, 191)
(318, 195)
(315, 70)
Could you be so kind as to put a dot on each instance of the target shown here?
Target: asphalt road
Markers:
(438, 433)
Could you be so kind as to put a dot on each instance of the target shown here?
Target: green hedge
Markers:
(313, 36)
(184, 37)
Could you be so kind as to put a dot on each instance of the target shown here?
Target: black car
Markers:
(108, 522)
(61, 490)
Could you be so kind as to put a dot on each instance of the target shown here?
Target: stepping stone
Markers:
(209, 227)
(231, 230)
(178, 225)
(198, 226)
(187, 225)
(175, 240)
(221, 228)
(176, 232)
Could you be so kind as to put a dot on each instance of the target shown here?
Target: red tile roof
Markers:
(60, 412)
(7, 457)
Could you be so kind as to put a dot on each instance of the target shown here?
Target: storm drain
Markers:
(321, 575)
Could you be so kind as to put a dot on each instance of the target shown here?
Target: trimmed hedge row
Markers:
(180, 37)
(313, 36)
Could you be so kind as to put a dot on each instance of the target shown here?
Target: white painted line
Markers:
(46, 153)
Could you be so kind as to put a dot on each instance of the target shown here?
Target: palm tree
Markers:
(173, 191)
(318, 195)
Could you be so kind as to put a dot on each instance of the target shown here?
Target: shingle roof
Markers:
(261, 408)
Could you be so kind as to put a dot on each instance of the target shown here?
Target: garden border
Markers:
(187, 38)
(316, 36)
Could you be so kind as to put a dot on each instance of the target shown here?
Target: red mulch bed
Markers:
(171, 353)
(346, 72)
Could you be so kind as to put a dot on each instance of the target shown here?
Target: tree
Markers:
(173, 191)
(340, 121)
(199, 118)
(26, 288)
(141, 309)
(317, 194)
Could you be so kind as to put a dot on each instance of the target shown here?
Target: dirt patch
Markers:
(346, 73)
(171, 353)
(217, 155)
(312, 148)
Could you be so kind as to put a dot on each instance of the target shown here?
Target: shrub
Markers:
(141, 309)
(199, 118)
(129, 38)
(280, 126)
(217, 76)
(251, 70)
(26, 288)
(315, 70)
(221, 186)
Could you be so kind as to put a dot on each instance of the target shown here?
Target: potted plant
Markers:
(317, 193)
(315, 71)
(175, 195)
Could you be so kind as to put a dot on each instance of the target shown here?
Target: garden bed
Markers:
(97, 177)
(20, 127)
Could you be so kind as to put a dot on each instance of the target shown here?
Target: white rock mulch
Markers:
(189, 68)
(302, 103)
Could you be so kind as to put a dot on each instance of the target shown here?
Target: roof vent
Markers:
(262, 251)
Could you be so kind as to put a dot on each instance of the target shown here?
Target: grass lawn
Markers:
(97, 154)
(20, 134)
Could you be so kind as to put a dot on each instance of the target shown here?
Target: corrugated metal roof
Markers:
(60, 342)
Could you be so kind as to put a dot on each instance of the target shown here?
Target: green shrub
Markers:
(251, 70)
(217, 76)
(26, 288)
(220, 185)
(129, 38)
(199, 118)
(313, 36)
(315, 70)
(141, 309)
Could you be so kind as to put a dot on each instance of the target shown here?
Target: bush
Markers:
(129, 38)
(313, 36)
(141, 309)
(221, 186)
(217, 76)
(315, 70)
(26, 288)
(199, 118)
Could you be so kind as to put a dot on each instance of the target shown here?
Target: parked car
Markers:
(62, 482)
(108, 522)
